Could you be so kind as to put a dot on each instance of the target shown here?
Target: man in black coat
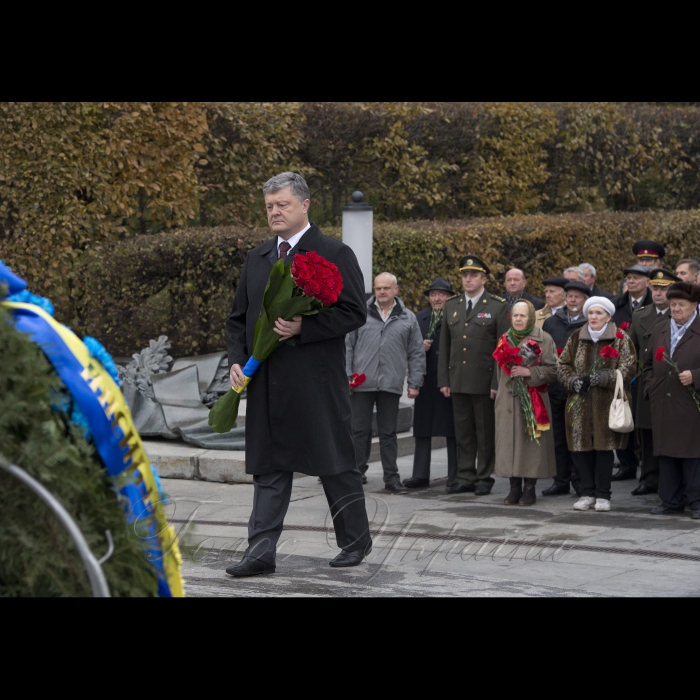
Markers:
(298, 403)
(637, 295)
(560, 326)
(432, 412)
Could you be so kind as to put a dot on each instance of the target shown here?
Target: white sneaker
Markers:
(602, 504)
(584, 503)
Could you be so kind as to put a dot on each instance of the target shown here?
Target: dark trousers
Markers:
(346, 501)
(422, 454)
(674, 473)
(650, 464)
(362, 403)
(595, 470)
(566, 472)
(475, 432)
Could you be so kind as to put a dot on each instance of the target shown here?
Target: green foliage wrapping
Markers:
(182, 283)
(37, 555)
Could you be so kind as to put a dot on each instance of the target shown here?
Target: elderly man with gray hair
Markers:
(389, 345)
(589, 279)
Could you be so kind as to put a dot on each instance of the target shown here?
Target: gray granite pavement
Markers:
(432, 544)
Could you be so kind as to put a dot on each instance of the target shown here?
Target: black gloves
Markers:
(601, 379)
(580, 384)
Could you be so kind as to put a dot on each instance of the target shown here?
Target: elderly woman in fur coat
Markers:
(586, 368)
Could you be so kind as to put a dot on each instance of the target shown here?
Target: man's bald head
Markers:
(515, 282)
(385, 288)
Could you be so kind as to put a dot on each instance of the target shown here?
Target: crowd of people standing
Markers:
(522, 387)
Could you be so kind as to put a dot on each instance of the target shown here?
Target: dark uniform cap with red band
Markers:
(648, 249)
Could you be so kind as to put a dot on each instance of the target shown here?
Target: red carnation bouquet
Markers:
(663, 356)
(608, 352)
(357, 380)
(309, 285)
(527, 354)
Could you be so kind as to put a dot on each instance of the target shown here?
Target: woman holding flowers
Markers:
(587, 369)
(527, 362)
(671, 381)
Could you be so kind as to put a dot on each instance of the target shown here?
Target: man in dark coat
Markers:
(675, 417)
(637, 295)
(472, 324)
(298, 403)
(560, 326)
(589, 279)
(432, 412)
(515, 284)
(644, 320)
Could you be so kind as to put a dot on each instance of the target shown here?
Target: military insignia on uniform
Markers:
(659, 275)
(470, 262)
(454, 314)
(483, 315)
(484, 301)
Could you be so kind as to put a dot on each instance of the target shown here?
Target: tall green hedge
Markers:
(182, 283)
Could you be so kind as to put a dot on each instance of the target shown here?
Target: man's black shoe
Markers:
(644, 490)
(350, 558)
(395, 487)
(695, 515)
(482, 490)
(415, 483)
(460, 488)
(556, 490)
(665, 510)
(625, 473)
(250, 567)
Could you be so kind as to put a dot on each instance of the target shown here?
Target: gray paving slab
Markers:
(430, 543)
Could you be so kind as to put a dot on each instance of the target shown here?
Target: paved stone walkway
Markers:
(429, 543)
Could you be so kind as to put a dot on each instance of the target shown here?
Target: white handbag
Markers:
(620, 420)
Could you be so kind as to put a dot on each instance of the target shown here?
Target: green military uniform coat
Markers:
(465, 362)
(643, 321)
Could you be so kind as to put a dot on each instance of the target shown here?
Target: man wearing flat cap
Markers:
(554, 299)
(649, 254)
(644, 320)
(432, 412)
(675, 417)
(637, 295)
(473, 322)
(561, 326)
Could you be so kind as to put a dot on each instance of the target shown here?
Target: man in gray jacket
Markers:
(388, 345)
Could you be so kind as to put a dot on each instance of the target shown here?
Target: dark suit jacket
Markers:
(623, 306)
(596, 291)
(432, 412)
(298, 403)
(535, 301)
(675, 418)
(644, 320)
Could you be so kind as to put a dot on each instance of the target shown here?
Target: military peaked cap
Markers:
(662, 277)
(473, 262)
(648, 249)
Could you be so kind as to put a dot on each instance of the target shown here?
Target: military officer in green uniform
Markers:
(643, 321)
(473, 321)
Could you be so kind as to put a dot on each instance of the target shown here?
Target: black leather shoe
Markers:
(415, 483)
(622, 474)
(350, 558)
(460, 488)
(556, 490)
(665, 510)
(695, 515)
(482, 490)
(250, 567)
(396, 487)
(644, 490)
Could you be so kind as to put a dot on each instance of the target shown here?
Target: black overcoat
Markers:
(432, 412)
(298, 403)
(675, 419)
(623, 307)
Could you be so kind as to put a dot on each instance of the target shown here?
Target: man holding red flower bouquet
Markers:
(298, 407)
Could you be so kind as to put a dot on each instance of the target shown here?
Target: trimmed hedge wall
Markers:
(182, 283)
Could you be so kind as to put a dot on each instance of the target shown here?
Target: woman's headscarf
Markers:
(516, 337)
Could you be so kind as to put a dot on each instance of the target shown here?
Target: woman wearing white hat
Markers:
(586, 368)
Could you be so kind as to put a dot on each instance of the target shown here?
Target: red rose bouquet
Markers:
(662, 356)
(527, 354)
(309, 285)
